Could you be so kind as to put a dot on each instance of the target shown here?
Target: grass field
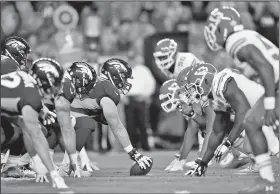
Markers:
(113, 177)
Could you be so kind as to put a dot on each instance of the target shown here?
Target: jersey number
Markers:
(10, 81)
(269, 47)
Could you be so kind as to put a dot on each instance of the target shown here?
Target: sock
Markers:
(200, 141)
(272, 140)
(84, 157)
(66, 158)
(51, 151)
(264, 163)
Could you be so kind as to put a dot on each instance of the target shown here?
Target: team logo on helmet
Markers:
(47, 68)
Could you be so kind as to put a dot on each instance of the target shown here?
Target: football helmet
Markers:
(17, 49)
(48, 73)
(165, 53)
(118, 72)
(221, 23)
(169, 95)
(200, 80)
(83, 77)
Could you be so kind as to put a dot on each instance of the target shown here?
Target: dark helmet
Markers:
(48, 73)
(118, 71)
(17, 49)
(83, 76)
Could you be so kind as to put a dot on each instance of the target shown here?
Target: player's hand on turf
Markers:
(40, 178)
(222, 150)
(199, 170)
(177, 164)
(76, 169)
(271, 118)
(172, 163)
(141, 160)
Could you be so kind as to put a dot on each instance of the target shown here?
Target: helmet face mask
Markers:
(48, 73)
(165, 53)
(169, 95)
(118, 72)
(17, 49)
(200, 81)
(83, 77)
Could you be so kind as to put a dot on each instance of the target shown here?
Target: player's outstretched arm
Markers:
(111, 114)
(68, 134)
(216, 137)
(189, 137)
(210, 118)
(240, 105)
(30, 118)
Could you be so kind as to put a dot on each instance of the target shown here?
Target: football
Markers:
(135, 170)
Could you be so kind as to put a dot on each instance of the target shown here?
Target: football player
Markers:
(78, 80)
(224, 30)
(171, 63)
(21, 102)
(230, 92)
(100, 104)
(15, 55)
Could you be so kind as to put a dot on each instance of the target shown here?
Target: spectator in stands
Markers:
(137, 102)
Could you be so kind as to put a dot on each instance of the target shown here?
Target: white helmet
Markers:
(164, 53)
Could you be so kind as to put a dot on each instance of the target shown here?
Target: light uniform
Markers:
(251, 89)
(240, 39)
(182, 61)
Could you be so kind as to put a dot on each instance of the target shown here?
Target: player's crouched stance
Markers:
(21, 103)
(100, 103)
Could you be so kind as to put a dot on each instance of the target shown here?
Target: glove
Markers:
(222, 150)
(142, 161)
(271, 119)
(40, 178)
(177, 156)
(199, 170)
(47, 116)
(176, 164)
(57, 181)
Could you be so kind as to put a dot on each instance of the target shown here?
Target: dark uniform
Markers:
(8, 65)
(18, 89)
(87, 110)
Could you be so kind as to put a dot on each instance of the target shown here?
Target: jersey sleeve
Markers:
(68, 91)
(32, 98)
(8, 65)
(108, 90)
(220, 82)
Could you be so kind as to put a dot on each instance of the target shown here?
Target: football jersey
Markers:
(251, 89)
(90, 105)
(19, 89)
(182, 61)
(240, 39)
(8, 65)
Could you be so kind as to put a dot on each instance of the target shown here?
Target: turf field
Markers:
(114, 178)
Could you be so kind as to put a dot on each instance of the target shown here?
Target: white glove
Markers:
(57, 181)
(47, 116)
(40, 178)
(90, 167)
(176, 164)
(222, 150)
(40, 169)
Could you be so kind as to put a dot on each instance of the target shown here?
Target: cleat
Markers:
(63, 170)
(233, 162)
(251, 168)
(18, 172)
(262, 186)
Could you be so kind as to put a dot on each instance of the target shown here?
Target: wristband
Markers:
(74, 158)
(192, 113)
(128, 149)
(269, 103)
(227, 143)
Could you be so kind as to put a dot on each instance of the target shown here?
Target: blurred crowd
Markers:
(99, 30)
